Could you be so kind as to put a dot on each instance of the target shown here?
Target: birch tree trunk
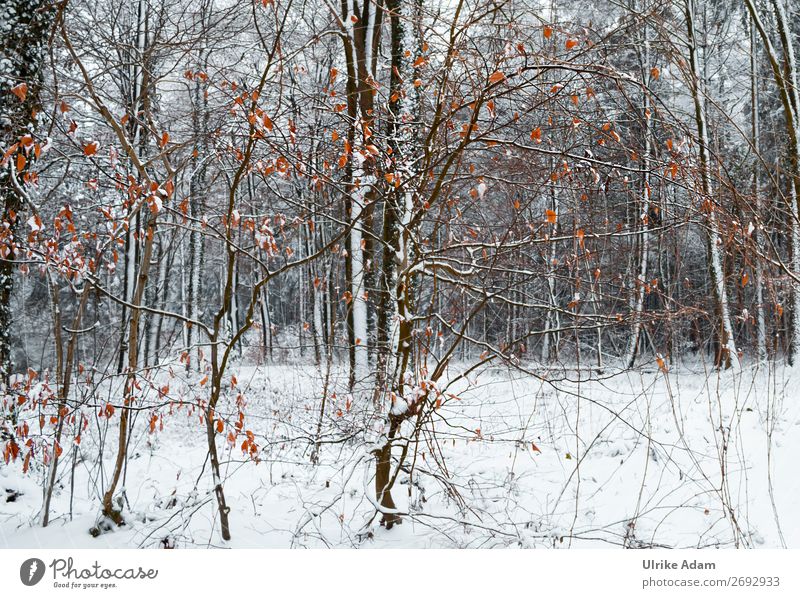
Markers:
(396, 291)
(784, 71)
(198, 185)
(728, 353)
(551, 337)
(361, 35)
(761, 325)
(137, 104)
(643, 215)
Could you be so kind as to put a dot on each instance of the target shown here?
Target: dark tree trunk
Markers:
(26, 24)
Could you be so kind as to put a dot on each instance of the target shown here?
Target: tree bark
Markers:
(25, 33)
(728, 353)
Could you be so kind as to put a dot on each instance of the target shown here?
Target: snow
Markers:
(631, 459)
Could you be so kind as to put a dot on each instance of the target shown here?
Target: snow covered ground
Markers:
(693, 458)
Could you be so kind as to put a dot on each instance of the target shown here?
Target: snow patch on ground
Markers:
(692, 458)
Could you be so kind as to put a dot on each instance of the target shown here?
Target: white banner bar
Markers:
(395, 573)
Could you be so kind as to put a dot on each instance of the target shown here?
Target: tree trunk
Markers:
(64, 381)
(642, 218)
(784, 71)
(761, 324)
(22, 54)
(728, 353)
(130, 379)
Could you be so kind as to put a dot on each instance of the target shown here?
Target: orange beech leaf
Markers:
(662, 365)
(547, 32)
(496, 77)
(571, 43)
(21, 91)
(550, 215)
(90, 149)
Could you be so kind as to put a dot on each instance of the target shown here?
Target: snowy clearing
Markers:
(635, 460)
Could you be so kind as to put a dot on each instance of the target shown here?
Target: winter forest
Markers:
(399, 273)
